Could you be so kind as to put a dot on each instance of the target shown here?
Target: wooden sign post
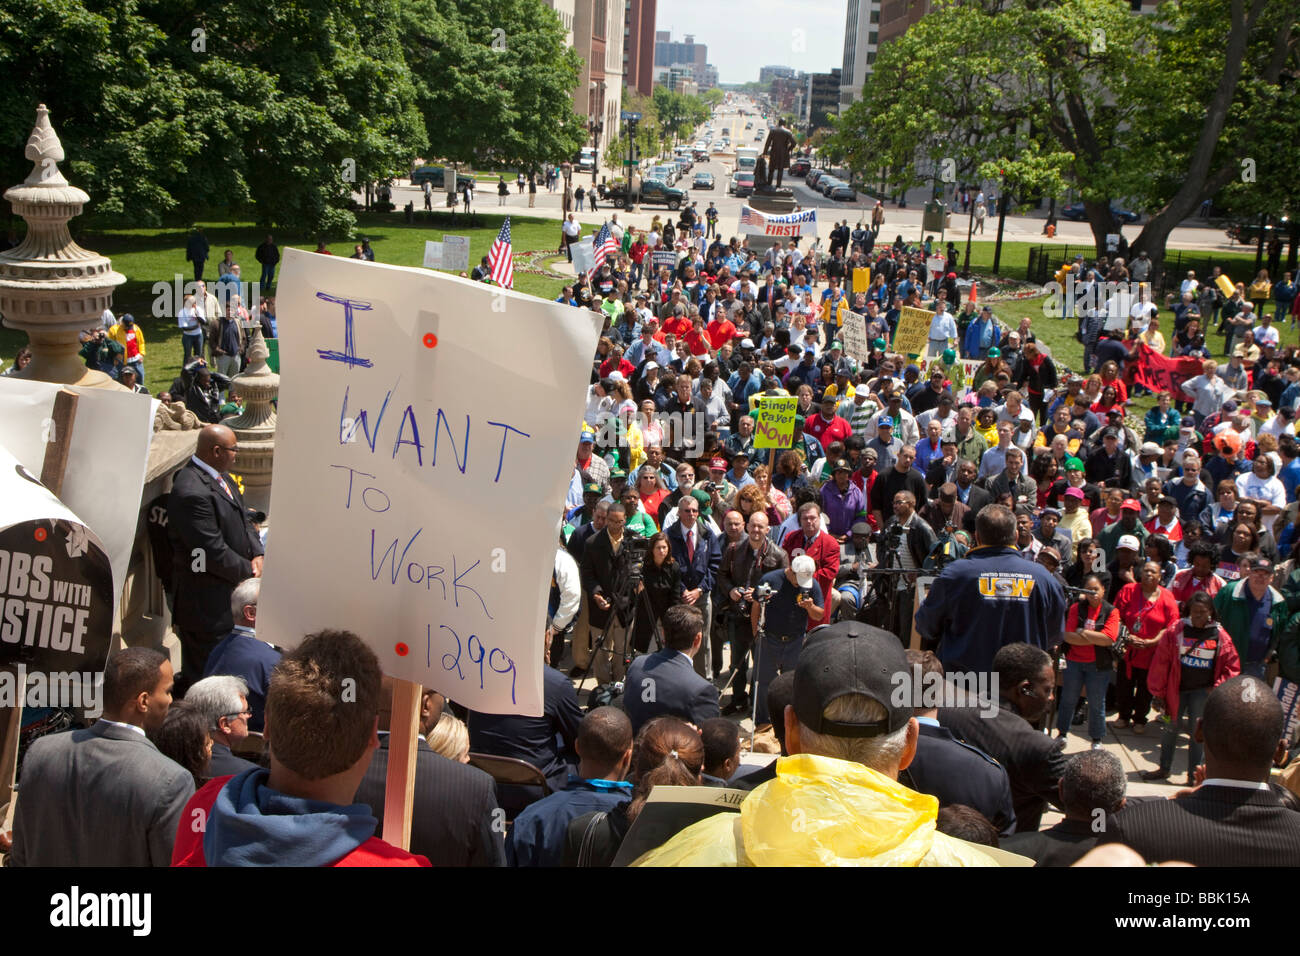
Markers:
(403, 743)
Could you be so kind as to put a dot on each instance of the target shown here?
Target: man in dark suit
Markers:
(743, 566)
(1233, 818)
(945, 767)
(1091, 788)
(1003, 729)
(223, 700)
(242, 654)
(666, 682)
(534, 739)
(698, 553)
(452, 811)
(214, 547)
(968, 493)
(105, 796)
(577, 544)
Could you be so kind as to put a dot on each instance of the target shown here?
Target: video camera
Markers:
(891, 537)
(637, 548)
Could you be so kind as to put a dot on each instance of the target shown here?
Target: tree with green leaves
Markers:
(494, 81)
(175, 111)
(1158, 110)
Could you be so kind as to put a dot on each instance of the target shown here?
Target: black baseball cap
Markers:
(850, 658)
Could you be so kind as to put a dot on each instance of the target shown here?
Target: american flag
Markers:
(749, 217)
(604, 246)
(500, 260)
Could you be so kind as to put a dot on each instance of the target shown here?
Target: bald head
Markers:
(216, 447)
(1242, 729)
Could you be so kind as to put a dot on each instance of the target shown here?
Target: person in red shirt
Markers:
(1091, 625)
(810, 539)
(826, 426)
(1199, 576)
(1147, 610)
(301, 812)
(1104, 517)
(1165, 520)
(696, 339)
(616, 363)
(650, 490)
(721, 331)
(678, 325)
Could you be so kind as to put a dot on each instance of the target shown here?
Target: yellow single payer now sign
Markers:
(775, 426)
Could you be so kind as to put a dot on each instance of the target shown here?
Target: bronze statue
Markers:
(779, 145)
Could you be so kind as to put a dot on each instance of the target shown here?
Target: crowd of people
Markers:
(1013, 529)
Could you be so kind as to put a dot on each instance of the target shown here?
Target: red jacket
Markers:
(188, 849)
(1146, 621)
(825, 552)
(1166, 668)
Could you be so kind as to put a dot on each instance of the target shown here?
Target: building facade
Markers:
(639, 45)
(861, 32)
(597, 35)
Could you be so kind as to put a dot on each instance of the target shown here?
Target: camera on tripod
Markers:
(762, 594)
(637, 548)
(891, 537)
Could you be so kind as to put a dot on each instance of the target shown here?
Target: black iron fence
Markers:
(1044, 261)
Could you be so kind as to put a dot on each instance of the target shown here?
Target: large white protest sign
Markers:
(432, 254)
(853, 336)
(790, 225)
(455, 253)
(584, 255)
(56, 581)
(423, 451)
(107, 458)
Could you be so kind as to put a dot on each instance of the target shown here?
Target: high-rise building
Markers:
(897, 15)
(768, 73)
(596, 32)
(639, 45)
(860, 36)
(669, 52)
(822, 98)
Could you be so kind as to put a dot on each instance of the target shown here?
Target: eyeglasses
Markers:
(243, 713)
(230, 448)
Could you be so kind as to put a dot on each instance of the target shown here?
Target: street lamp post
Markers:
(596, 127)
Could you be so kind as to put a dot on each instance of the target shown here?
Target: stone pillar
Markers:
(258, 386)
(50, 287)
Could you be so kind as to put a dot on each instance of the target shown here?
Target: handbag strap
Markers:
(589, 837)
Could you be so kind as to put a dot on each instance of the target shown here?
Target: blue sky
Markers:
(744, 36)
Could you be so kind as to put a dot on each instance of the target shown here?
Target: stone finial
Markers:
(50, 287)
(45, 151)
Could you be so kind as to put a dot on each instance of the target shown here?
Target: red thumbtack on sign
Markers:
(402, 650)
(40, 534)
(430, 340)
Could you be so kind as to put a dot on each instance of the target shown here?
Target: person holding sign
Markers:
(214, 547)
(301, 812)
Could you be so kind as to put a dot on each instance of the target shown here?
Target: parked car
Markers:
(843, 193)
(432, 174)
(1075, 213)
(826, 182)
(1248, 232)
(653, 191)
(742, 184)
(814, 175)
(800, 167)
(667, 173)
(703, 181)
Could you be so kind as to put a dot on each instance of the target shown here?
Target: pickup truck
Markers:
(654, 191)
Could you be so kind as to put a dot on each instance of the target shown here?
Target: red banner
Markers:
(1160, 373)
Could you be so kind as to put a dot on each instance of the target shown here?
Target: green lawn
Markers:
(147, 256)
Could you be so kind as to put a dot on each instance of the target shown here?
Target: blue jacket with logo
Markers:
(992, 597)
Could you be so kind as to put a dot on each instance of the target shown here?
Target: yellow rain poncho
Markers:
(820, 811)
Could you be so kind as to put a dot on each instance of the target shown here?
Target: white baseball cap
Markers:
(1128, 541)
(805, 569)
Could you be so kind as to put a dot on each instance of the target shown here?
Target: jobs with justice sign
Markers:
(414, 500)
